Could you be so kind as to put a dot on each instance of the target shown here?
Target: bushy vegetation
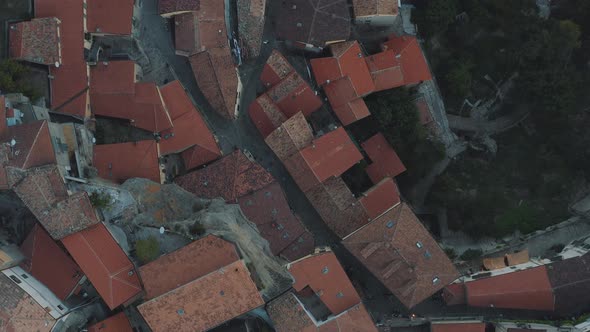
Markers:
(471, 254)
(100, 200)
(529, 183)
(147, 249)
(12, 76)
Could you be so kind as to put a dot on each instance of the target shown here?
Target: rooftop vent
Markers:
(339, 295)
(180, 312)
(435, 280)
(419, 245)
(390, 224)
(325, 270)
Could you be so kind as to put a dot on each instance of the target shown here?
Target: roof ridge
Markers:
(43, 123)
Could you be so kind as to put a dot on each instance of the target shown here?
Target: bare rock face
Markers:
(180, 212)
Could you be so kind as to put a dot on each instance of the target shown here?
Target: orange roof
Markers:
(380, 198)
(113, 77)
(70, 80)
(277, 67)
(185, 36)
(230, 177)
(33, 145)
(110, 16)
(375, 8)
(352, 64)
(19, 312)
(457, 327)
(414, 66)
(345, 103)
(36, 41)
(204, 303)
(518, 257)
(293, 135)
(105, 264)
(402, 254)
(326, 277)
(385, 162)
(265, 115)
(386, 70)
(327, 156)
(176, 99)
(49, 264)
(289, 315)
(293, 95)
(175, 6)
(122, 161)
(186, 264)
(454, 294)
(116, 323)
(325, 70)
(526, 289)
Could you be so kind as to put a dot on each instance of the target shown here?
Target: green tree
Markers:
(12, 76)
(100, 200)
(471, 254)
(437, 16)
(147, 249)
(459, 78)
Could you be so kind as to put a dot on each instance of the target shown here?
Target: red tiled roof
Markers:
(352, 64)
(49, 264)
(402, 254)
(345, 103)
(338, 207)
(458, 327)
(301, 247)
(325, 70)
(292, 136)
(116, 323)
(413, 63)
(326, 277)
(69, 80)
(268, 209)
(33, 145)
(71, 215)
(527, 289)
(329, 155)
(175, 6)
(105, 264)
(186, 264)
(110, 16)
(205, 302)
(36, 41)
(277, 67)
(385, 162)
(185, 35)
(380, 198)
(122, 161)
(288, 315)
(251, 18)
(190, 132)
(18, 310)
(265, 115)
(386, 70)
(454, 294)
(293, 95)
(230, 177)
(116, 77)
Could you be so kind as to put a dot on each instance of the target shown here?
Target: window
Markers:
(340, 294)
(419, 245)
(325, 270)
(24, 276)
(15, 279)
(390, 224)
(427, 254)
(435, 280)
(60, 307)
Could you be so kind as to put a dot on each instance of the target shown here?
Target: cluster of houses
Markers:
(71, 256)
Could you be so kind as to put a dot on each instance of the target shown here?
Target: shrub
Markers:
(471, 254)
(100, 200)
(451, 253)
(147, 249)
(197, 229)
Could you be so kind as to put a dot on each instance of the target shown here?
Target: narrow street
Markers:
(241, 133)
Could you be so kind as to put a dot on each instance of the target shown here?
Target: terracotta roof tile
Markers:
(386, 70)
(327, 156)
(49, 264)
(186, 264)
(338, 207)
(177, 6)
(185, 33)
(289, 316)
(70, 80)
(324, 275)
(345, 102)
(265, 115)
(36, 41)
(526, 289)
(314, 22)
(110, 16)
(116, 323)
(413, 63)
(277, 67)
(325, 70)
(518, 257)
(268, 209)
(380, 198)
(570, 280)
(230, 177)
(33, 145)
(293, 135)
(205, 302)
(352, 64)
(19, 312)
(113, 77)
(122, 161)
(385, 162)
(375, 8)
(494, 263)
(293, 95)
(454, 294)
(69, 216)
(299, 248)
(105, 264)
(457, 327)
(402, 254)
